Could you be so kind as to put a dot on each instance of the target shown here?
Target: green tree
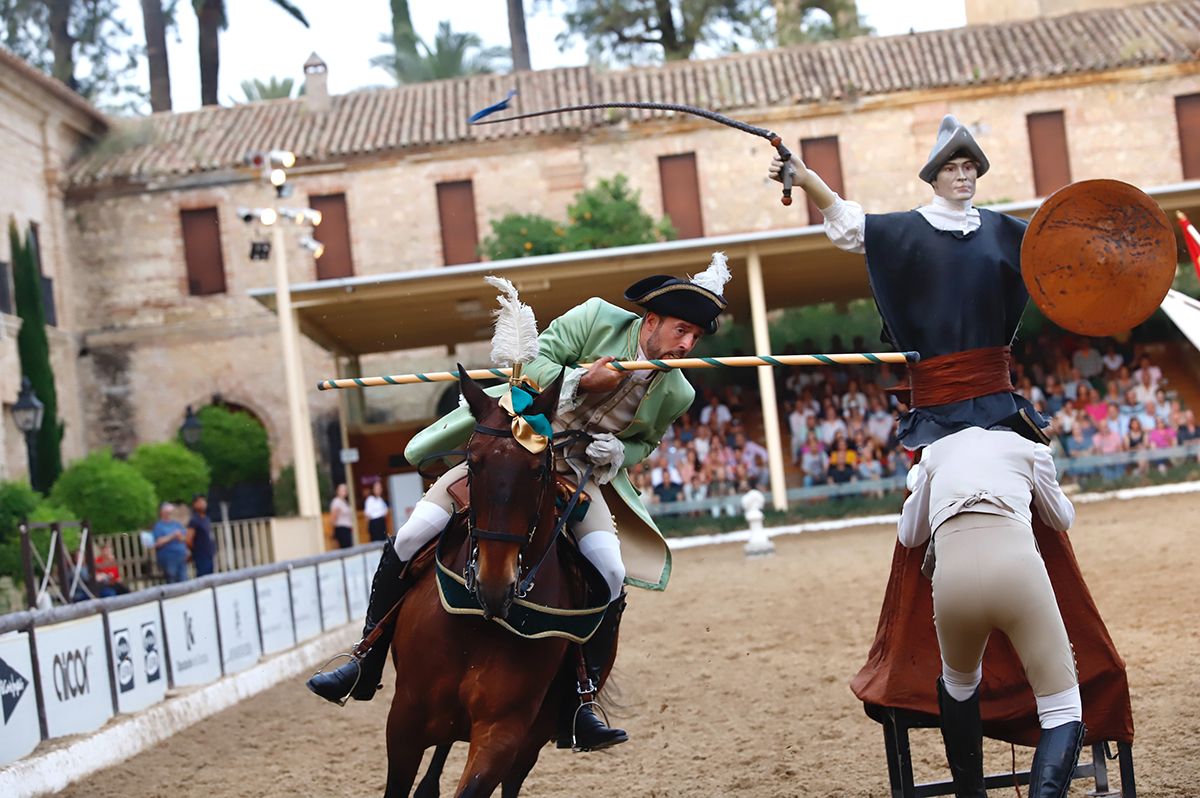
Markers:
(284, 495)
(452, 55)
(271, 89)
(34, 350)
(800, 21)
(17, 502)
(86, 44)
(176, 472)
(638, 31)
(234, 445)
(43, 512)
(611, 215)
(520, 235)
(111, 494)
(154, 27)
(212, 19)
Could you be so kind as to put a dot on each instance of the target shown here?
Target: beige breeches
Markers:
(989, 575)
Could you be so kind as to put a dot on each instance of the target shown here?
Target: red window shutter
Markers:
(334, 233)
(1187, 116)
(456, 212)
(202, 251)
(681, 194)
(1048, 149)
(822, 156)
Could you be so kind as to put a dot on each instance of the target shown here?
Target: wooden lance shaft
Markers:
(857, 358)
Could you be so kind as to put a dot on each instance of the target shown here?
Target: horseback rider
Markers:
(946, 278)
(623, 415)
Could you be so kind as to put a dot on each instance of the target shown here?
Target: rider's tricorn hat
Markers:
(698, 300)
(953, 141)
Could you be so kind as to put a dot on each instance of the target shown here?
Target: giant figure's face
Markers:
(956, 180)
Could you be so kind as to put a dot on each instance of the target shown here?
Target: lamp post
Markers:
(190, 429)
(27, 414)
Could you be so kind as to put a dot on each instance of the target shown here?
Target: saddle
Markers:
(564, 489)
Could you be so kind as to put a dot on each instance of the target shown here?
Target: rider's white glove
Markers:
(607, 454)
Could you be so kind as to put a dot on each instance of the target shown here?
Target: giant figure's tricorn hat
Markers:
(953, 140)
(698, 300)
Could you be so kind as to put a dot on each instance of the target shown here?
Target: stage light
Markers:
(278, 177)
(313, 246)
(268, 216)
(255, 158)
(313, 216)
(284, 158)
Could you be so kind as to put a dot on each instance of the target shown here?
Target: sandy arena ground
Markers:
(734, 683)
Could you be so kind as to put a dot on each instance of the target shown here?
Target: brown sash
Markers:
(959, 376)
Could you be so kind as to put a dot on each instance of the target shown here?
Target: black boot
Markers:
(962, 733)
(360, 677)
(579, 726)
(1054, 760)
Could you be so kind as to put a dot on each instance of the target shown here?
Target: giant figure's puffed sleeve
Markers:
(562, 344)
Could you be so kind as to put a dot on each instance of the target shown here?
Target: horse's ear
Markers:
(478, 401)
(546, 402)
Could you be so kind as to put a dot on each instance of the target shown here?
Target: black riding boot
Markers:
(962, 732)
(579, 726)
(1054, 760)
(360, 677)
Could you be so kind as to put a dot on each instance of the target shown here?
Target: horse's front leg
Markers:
(430, 786)
(511, 786)
(495, 745)
(404, 753)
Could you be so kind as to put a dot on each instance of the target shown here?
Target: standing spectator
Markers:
(376, 510)
(170, 545)
(813, 461)
(715, 414)
(200, 536)
(1088, 360)
(342, 517)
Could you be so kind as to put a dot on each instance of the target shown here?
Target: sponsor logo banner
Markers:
(275, 613)
(191, 627)
(333, 594)
(73, 665)
(356, 586)
(238, 621)
(136, 648)
(306, 606)
(19, 729)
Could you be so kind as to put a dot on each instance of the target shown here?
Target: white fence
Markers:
(68, 670)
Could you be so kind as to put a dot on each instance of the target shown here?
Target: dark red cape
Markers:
(903, 665)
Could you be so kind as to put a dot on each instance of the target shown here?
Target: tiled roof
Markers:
(378, 121)
(51, 86)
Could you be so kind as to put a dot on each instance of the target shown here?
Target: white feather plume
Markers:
(515, 339)
(716, 275)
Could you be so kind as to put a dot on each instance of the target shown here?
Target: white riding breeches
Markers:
(596, 532)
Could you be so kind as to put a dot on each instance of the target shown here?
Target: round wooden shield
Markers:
(1098, 257)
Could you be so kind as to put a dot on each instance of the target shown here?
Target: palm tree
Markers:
(452, 55)
(154, 22)
(272, 89)
(517, 36)
(212, 19)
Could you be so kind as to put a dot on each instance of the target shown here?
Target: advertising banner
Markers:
(237, 618)
(275, 613)
(73, 665)
(19, 730)
(136, 646)
(333, 594)
(306, 605)
(191, 626)
(356, 586)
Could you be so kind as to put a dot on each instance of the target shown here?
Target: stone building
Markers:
(159, 268)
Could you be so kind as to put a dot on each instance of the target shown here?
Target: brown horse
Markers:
(464, 677)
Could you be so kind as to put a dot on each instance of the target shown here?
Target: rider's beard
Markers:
(654, 346)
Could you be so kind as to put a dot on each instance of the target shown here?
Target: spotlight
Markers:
(268, 216)
(278, 177)
(313, 216)
(260, 250)
(255, 158)
(284, 158)
(313, 246)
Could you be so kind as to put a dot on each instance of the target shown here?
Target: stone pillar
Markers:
(766, 380)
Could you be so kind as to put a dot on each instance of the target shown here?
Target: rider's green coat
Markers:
(581, 335)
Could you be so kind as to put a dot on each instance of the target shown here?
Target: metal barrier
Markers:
(69, 669)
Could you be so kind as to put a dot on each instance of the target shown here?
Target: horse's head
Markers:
(511, 491)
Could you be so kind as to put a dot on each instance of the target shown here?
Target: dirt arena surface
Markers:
(734, 683)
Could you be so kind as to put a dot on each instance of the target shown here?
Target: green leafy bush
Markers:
(611, 215)
(234, 445)
(285, 498)
(44, 512)
(111, 494)
(520, 235)
(176, 473)
(17, 501)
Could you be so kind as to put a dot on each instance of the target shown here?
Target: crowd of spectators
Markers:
(839, 423)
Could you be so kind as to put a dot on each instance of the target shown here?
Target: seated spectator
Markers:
(1113, 361)
(800, 421)
(108, 575)
(1116, 421)
(1188, 431)
(853, 398)
(1162, 405)
(1087, 361)
(843, 463)
(1124, 380)
(1149, 415)
(684, 431)
(1077, 445)
(666, 480)
(1108, 440)
(1072, 383)
(1094, 405)
(1162, 436)
(753, 455)
(696, 489)
(170, 545)
(814, 463)
(1146, 385)
(715, 414)
(1147, 373)
(830, 425)
(880, 422)
(869, 467)
(1136, 437)
(1054, 395)
(702, 443)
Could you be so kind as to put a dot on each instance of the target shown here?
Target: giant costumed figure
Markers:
(947, 280)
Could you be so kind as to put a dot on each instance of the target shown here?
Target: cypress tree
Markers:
(34, 349)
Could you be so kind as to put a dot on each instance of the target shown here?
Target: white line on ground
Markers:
(741, 536)
(125, 737)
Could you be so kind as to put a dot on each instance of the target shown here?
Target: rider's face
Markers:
(667, 337)
(956, 179)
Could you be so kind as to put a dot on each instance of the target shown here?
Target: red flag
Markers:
(1191, 238)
